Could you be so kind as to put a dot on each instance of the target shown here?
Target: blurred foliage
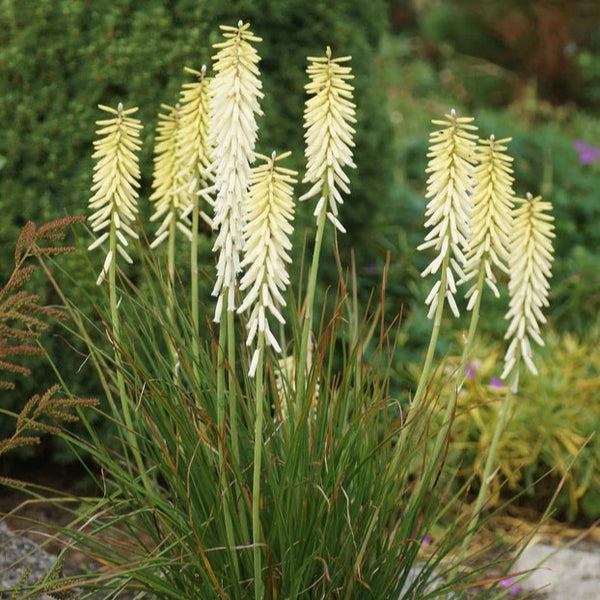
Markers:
(552, 428)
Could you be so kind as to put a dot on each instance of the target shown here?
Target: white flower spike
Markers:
(531, 257)
(491, 219)
(235, 103)
(449, 188)
(171, 198)
(328, 119)
(116, 177)
(270, 210)
(195, 153)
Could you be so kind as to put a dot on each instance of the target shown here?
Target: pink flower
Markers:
(427, 540)
(509, 582)
(496, 384)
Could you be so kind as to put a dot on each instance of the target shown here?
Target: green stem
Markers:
(171, 284)
(125, 401)
(233, 420)
(419, 397)
(460, 374)
(258, 443)
(222, 432)
(301, 365)
(433, 340)
(221, 368)
(487, 472)
(194, 286)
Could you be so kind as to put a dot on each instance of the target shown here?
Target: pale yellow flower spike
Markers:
(116, 177)
(531, 257)
(195, 150)
(170, 196)
(449, 186)
(235, 95)
(491, 219)
(269, 210)
(329, 134)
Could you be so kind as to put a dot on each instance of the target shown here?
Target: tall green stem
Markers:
(433, 340)
(259, 587)
(417, 401)
(194, 285)
(222, 432)
(171, 284)
(301, 365)
(487, 472)
(460, 374)
(125, 401)
(233, 419)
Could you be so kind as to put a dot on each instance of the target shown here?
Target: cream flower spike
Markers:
(449, 187)
(116, 177)
(531, 259)
(195, 153)
(170, 194)
(269, 210)
(491, 219)
(329, 134)
(235, 102)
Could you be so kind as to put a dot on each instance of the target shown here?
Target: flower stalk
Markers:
(529, 250)
(449, 188)
(329, 116)
(114, 200)
(171, 198)
(235, 94)
(269, 209)
(195, 157)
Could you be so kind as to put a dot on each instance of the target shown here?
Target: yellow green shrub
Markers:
(552, 429)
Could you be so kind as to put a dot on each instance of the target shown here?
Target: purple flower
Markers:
(509, 582)
(497, 384)
(472, 368)
(427, 540)
(587, 153)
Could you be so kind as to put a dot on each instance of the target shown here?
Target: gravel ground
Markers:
(17, 554)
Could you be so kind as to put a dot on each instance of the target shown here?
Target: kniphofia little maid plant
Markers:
(235, 95)
(328, 118)
(490, 225)
(171, 197)
(449, 188)
(116, 177)
(331, 509)
(195, 157)
(531, 256)
(234, 100)
(269, 210)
